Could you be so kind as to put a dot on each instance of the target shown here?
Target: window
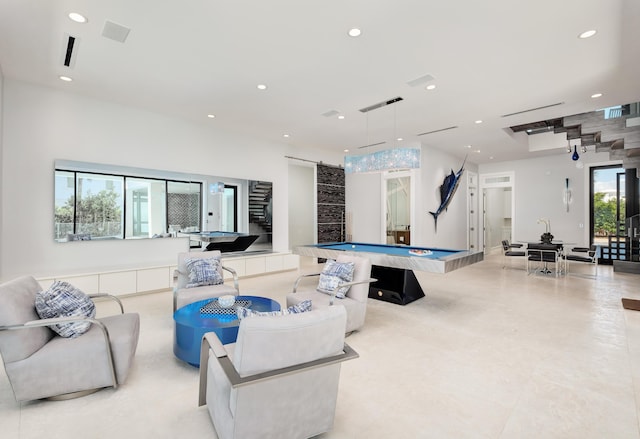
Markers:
(145, 207)
(98, 205)
(183, 206)
(104, 206)
(65, 189)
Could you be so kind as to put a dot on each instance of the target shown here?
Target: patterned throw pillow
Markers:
(62, 299)
(303, 306)
(203, 271)
(333, 275)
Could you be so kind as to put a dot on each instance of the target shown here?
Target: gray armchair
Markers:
(355, 301)
(280, 378)
(41, 364)
(183, 296)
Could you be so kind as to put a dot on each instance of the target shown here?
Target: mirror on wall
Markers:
(98, 202)
(398, 209)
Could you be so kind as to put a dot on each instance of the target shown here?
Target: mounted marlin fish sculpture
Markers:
(447, 189)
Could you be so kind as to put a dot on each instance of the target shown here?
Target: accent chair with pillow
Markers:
(200, 276)
(53, 346)
(280, 379)
(336, 286)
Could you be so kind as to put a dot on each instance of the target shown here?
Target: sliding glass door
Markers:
(607, 206)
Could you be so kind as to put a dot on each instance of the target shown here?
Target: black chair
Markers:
(508, 250)
(544, 254)
(587, 255)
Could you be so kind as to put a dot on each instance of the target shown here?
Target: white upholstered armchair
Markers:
(355, 301)
(184, 295)
(41, 364)
(280, 378)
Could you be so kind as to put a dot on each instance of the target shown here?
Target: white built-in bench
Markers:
(127, 281)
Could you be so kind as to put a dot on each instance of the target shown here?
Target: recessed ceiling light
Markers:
(469, 146)
(596, 95)
(491, 157)
(78, 18)
(285, 136)
(587, 34)
(430, 87)
(262, 87)
(478, 151)
(211, 116)
(346, 150)
(478, 121)
(65, 78)
(341, 117)
(399, 139)
(355, 32)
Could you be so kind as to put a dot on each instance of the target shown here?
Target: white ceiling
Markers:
(197, 57)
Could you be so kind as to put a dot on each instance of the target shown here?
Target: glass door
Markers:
(607, 206)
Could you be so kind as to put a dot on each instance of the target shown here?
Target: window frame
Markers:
(123, 235)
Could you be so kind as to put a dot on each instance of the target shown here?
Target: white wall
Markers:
(1, 166)
(302, 202)
(41, 125)
(364, 201)
(539, 186)
(363, 204)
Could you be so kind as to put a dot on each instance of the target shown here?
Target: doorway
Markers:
(607, 211)
(498, 208)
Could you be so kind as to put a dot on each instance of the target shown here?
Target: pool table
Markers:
(224, 241)
(393, 265)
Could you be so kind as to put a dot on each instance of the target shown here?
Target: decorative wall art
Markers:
(447, 189)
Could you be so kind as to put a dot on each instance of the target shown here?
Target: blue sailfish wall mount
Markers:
(447, 189)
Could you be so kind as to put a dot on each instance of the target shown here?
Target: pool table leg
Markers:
(395, 285)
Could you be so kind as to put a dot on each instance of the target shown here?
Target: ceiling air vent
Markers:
(115, 32)
(70, 47)
(373, 144)
(330, 113)
(420, 81)
(533, 109)
(437, 131)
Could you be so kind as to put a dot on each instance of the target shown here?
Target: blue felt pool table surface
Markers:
(396, 250)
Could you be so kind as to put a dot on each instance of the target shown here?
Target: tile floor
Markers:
(488, 353)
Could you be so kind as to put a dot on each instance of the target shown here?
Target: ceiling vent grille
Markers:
(533, 109)
(438, 131)
(69, 52)
(330, 113)
(115, 32)
(420, 81)
(69, 49)
(373, 144)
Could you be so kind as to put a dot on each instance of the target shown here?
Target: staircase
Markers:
(260, 193)
(619, 134)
